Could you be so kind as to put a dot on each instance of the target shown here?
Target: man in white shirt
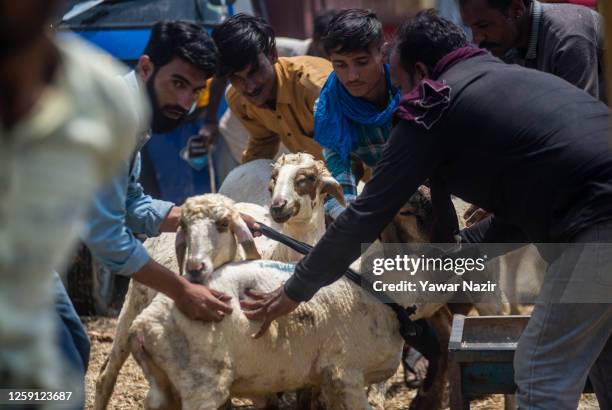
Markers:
(66, 123)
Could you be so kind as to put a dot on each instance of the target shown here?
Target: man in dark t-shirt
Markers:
(526, 145)
(562, 39)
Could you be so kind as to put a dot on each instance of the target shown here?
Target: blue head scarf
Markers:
(337, 111)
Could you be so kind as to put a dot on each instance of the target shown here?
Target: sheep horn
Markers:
(244, 237)
(330, 186)
(180, 247)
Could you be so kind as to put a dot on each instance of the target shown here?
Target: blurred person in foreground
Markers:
(177, 61)
(66, 124)
(451, 113)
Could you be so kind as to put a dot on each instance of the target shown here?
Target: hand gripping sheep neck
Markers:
(417, 334)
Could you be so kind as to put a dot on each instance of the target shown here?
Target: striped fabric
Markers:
(369, 148)
(532, 47)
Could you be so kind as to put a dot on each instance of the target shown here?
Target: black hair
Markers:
(426, 38)
(240, 39)
(353, 30)
(321, 22)
(183, 39)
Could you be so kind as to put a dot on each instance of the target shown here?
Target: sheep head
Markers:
(413, 222)
(299, 184)
(209, 232)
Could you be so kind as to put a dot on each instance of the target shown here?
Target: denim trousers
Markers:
(72, 337)
(568, 337)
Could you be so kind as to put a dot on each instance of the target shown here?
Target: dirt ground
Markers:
(131, 386)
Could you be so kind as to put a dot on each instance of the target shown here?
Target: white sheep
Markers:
(307, 225)
(300, 197)
(213, 222)
(298, 186)
(339, 341)
(327, 343)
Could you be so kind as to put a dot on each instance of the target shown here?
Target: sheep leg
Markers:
(162, 395)
(491, 304)
(137, 298)
(435, 396)
(165, 395)
(309, 399)
(511, 263)
(343, 389)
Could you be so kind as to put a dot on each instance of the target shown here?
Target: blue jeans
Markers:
(566, 342)
(72, 338)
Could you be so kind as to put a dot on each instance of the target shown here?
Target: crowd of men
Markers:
(515, 124)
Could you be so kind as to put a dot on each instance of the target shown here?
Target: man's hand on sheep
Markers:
(267, 307)
(194, 301)
(201, 303)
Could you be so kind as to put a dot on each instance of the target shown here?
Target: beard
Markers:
(161, 123)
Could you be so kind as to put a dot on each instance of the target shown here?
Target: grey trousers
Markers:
(566, 341)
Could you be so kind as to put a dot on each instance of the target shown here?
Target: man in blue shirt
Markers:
(174, 68)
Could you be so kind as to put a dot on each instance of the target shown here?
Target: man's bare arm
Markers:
(195, 301)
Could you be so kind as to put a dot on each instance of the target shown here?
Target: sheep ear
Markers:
(244, 237)
(180, 247)
(330, 186)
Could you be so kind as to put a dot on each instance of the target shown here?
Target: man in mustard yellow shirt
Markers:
(273, 97)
